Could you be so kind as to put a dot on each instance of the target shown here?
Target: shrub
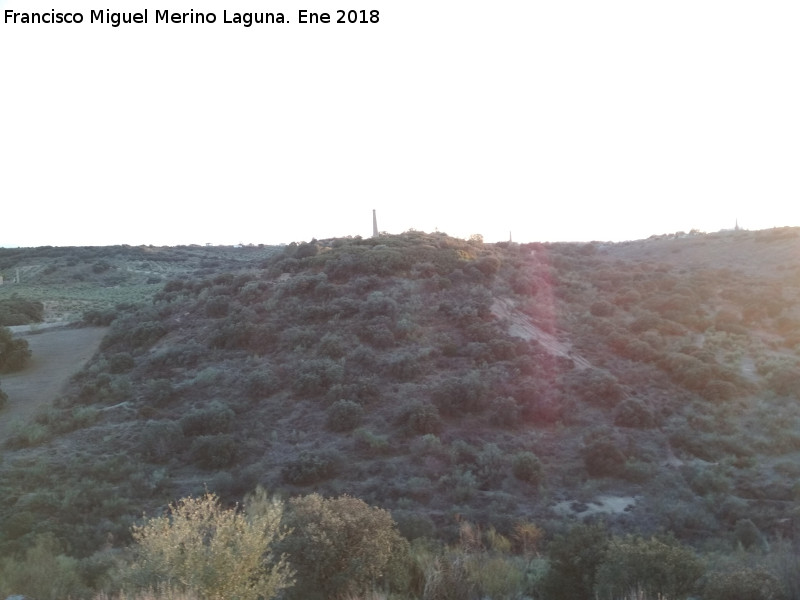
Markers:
(212, 552)
(747, 534)
(574, 560)
(261, 383)
(505, 412)
(657, 568)
(18, 311)
(717, 390)
(217, 307)
(461, 484)
(339, 546)
(370, 443)
(595, 386)
(784, 381)
(120, 363)
(603, 458)
(99, 318)
(459, 395)
(422, 418)
(308, 468)
(159, 440)
(527, 467)
(14, 353)
(634, 413)
(215, 418)
(315, 376)
(213, 451)
(43, 572)
(344, 415)
(602, 308)
(745, 583)
(490, 466)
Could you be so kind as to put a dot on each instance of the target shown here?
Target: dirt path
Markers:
(520, 325)
(57, 355)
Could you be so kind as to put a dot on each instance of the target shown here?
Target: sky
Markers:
(567, 120)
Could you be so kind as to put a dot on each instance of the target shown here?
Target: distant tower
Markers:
(374, 224)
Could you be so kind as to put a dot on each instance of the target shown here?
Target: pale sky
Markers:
(554, 120)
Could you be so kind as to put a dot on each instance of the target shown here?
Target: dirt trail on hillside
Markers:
(57, 355)
(520, 325)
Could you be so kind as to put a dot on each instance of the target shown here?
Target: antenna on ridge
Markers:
(374, 224)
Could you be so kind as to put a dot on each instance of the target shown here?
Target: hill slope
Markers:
(653, 382)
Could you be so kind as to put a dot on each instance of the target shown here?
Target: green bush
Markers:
(213, 451)
(309, 468)
(344, 415)
(595, 386)
(744, 583)
(369, 443)
(14, 353)
(653, 568)
(574, 560)
(18, 311)
(527, 467)
(159, 440)
(212, 552)
(43, 572)
(215, 418)
(422, 418)
(120, 363)
(504, 412)
(262, 383)
(460, 395)
(634, 413)
(339, 546)
(603, 458)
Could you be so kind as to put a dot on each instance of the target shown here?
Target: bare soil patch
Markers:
(520, 325)
(611, 505)
(57, 354)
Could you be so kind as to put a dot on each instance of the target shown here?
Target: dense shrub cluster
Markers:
(14, 352)
(18, 311)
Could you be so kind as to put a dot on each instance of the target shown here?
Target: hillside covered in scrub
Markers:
(650, 385)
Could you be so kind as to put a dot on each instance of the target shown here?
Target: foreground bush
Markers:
(340, 546)
(44, 572)
(744, 583)
(647, 569)
(213, 553)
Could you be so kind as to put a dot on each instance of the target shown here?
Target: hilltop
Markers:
(652, 384)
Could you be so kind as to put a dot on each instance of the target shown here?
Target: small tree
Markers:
(212, 552)
(574, 559)
(340, 545)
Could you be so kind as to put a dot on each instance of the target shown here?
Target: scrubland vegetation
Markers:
(432, 417)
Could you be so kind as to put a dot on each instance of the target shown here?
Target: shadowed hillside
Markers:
(650, 384)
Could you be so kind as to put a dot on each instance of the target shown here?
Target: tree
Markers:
(339, 546)
(213, 552)
(14, 353)
(574, 559)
